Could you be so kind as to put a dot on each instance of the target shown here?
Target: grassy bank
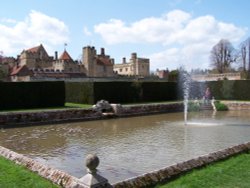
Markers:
(230, 173)
(12, 175)
(66, 106)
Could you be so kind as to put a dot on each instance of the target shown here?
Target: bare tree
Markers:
(245, 54)
(222, 56)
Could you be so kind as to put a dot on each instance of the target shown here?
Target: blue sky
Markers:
(172, 33)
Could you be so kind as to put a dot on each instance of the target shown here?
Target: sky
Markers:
(171, 33)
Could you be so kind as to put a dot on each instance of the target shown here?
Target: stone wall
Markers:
(46, 117)
(168, 173)
(237, 105)
(57, 116)
(145, 109)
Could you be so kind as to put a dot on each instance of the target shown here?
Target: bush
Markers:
(220, 106)
(193, 106)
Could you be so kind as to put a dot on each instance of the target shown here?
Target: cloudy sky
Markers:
(172, 33)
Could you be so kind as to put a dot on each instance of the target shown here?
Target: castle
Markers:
(36, 64)
(135, 67)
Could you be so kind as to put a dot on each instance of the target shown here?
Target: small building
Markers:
(163, 74)
(135, 67)
(20, 73)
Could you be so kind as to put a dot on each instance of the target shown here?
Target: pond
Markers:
(129, 147)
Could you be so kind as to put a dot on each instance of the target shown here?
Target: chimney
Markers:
(124, 60)
(56, 55)
(133, 56)
(102, 51)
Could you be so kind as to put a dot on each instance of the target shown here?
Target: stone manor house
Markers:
(36, 64)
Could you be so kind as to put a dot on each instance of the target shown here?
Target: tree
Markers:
(173, 76)
(222, 56)
(245, 54)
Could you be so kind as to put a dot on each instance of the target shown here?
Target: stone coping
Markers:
(146, 180)
(166, 174)
(237, 105)
(56, 176)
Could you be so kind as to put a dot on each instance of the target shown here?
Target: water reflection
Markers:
(131, 146)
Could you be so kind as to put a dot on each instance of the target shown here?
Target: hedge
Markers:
(222, 90)
(120, 91)
(79, 92)
(21, 95)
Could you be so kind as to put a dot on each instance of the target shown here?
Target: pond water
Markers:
(129, 147)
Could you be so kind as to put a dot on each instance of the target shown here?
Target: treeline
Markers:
(224, 56)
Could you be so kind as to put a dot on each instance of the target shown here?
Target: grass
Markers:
(16, 176)
(66, 106)
(231, 173)
(76, 105)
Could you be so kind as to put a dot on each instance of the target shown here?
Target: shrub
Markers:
(193, 106)
(220, 106)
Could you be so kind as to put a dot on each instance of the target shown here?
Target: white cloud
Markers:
(35, 29)
(86, 31)
(184, 39)
(8, 20)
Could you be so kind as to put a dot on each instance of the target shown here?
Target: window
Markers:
(120, 70)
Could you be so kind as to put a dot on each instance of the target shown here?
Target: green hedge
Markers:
(159, 91)
(20, 95)
(223, 90)
(80, 92)
(120, 91)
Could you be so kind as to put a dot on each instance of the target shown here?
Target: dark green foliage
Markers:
(16, 95)
(120, 92)
(220, 106)
(139, 91)
(79, 92)
(222, 90)
(173, 76)
(193, 106)
(159, 91)
(129, 92)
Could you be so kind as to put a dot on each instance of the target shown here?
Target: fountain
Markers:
(132, 146)
(185, 80)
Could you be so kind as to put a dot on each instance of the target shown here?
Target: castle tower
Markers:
(88, 60)
(134, 63)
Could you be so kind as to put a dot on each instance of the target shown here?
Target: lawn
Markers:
(15, 176)
(66, 106)
(231, 173)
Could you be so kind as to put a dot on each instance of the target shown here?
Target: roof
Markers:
(65, 56)
(104, 61)
(18, 69)
(34, 49)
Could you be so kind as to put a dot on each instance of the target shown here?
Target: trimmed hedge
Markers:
(21, 95)
(222, 90)
(79, 92)
(139, 91)
(120, 92)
